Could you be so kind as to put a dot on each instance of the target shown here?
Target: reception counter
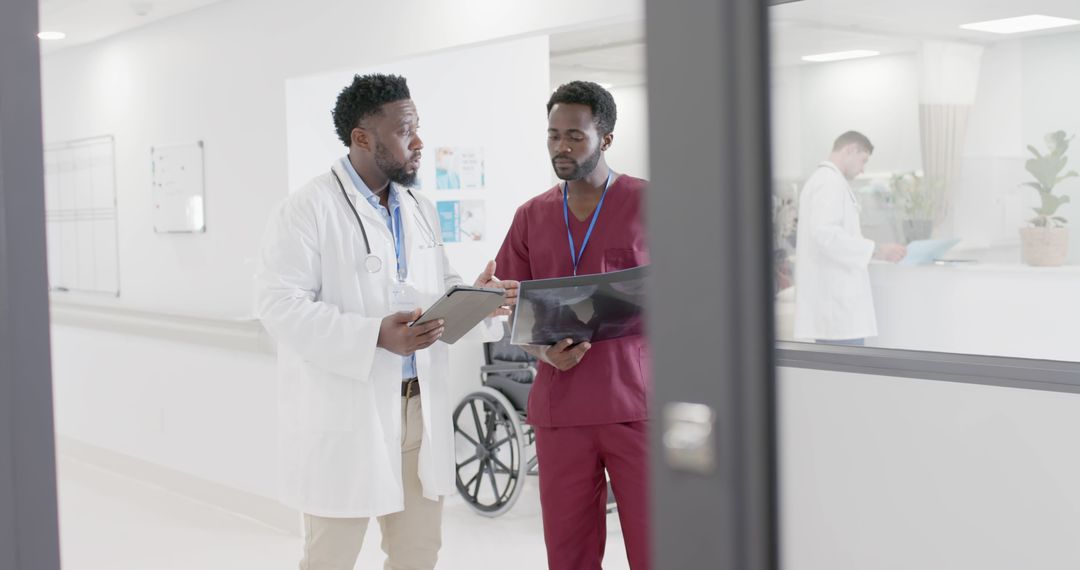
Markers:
(972, 308)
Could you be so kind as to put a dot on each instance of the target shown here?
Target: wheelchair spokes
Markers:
(489, 443)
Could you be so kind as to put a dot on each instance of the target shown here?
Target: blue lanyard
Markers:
(575, 256)
(399, 241)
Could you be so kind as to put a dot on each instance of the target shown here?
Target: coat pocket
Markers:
(327, 403)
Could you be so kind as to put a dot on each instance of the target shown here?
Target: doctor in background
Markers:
(364, 410)
(833, 303)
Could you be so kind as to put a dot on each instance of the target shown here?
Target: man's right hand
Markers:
(398, 337)
(564, 354)
(891, 252)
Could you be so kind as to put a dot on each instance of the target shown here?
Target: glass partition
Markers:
(924, 171)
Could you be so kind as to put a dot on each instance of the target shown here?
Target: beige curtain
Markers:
(942, 130)
(949, 75)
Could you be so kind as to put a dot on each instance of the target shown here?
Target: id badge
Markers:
(401, 298)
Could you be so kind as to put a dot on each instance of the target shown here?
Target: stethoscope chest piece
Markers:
(372, 263)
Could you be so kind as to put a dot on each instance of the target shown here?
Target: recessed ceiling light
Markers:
(51, 35)
(1019, 24)
(840, 55)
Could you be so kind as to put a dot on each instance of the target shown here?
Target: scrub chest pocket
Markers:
(616, 259)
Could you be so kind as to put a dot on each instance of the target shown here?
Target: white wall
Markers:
(813, 104)
(786, 100)
(218, 74)
(629, 153)
(204, 411)
(987, 204)
(894, 474)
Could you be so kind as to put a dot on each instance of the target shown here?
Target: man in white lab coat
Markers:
(833, 302)
(365, 416)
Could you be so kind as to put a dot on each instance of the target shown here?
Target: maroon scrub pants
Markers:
(573, 492)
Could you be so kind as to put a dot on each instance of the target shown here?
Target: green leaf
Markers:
(1046, 169)
(1050, 204)
(1070, 174)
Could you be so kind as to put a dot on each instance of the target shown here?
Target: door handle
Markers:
(689, 438)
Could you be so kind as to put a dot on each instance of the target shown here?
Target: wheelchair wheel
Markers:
(489, 447)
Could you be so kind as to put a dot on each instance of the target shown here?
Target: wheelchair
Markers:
(494, 445)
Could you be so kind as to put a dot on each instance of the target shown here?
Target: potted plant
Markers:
(913, 195)
(1046, 241)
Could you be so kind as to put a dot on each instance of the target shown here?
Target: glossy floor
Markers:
(110, 522)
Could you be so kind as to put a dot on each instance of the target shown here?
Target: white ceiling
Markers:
(89, 20)
(612, 55)
(616, 54)
(894, 26)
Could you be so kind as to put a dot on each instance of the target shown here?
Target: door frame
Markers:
(710, 293)
(28, 516)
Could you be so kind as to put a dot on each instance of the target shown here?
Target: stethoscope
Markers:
(372, 262)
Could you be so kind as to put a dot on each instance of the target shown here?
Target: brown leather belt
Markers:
(410, 387)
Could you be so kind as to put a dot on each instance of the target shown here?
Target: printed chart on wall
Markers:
(461, 220)
(81, 216)
(459, 168)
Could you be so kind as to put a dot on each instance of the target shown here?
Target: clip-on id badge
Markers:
(401, 298)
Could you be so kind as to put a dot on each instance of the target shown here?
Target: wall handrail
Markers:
(245, 334)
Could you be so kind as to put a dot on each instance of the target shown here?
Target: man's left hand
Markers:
(487, 279)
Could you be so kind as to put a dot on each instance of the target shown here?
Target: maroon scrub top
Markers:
(611, 383)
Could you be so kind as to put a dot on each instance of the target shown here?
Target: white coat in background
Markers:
(832, 278)
(339, 397)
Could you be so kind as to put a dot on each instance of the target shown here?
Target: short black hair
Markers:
(856, 138)
(364, 97)
(598, 99)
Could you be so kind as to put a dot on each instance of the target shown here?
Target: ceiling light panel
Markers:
(1020, 24)
(840, 55)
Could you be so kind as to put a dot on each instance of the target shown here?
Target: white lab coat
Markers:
(339, 397)
(832, 281)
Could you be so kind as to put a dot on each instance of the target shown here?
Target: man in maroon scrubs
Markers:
(588, 405)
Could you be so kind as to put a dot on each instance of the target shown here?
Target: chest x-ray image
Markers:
(584, 308)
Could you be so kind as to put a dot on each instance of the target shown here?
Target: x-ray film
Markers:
(590, 308)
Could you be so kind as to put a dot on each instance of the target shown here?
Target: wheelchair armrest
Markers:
(489, 369)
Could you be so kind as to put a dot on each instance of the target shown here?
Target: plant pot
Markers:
(918, 229)
(1044, 247)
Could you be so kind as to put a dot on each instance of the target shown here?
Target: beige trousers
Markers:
(410, 538)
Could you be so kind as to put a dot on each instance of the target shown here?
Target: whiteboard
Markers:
(81, 216)
(178, 186)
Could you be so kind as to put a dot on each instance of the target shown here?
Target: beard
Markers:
(581, 169)
(397, 172)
